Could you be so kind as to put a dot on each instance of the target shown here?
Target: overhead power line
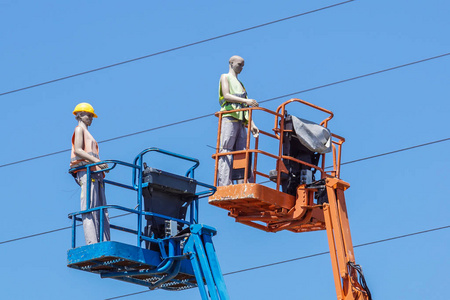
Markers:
(176, 48)
(327, 252)
(306, 257)
(51, 231)
(360, 76)
(395, 151)
(344, 163)
(212, 114)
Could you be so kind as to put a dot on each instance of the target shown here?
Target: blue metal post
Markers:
(101, 224)
(139, 185)
(196, 211)
(74, 231)
(191, 213)
(88, 188)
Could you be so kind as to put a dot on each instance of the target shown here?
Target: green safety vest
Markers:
(237, 89)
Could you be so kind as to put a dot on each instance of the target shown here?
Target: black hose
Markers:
(361, 279)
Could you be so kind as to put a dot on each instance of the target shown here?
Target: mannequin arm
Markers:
(232, 98)
(78, 148)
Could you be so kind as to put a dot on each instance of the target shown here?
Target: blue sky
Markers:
(389, 196)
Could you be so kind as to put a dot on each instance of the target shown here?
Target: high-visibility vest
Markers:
(236, 88)
(89, 145)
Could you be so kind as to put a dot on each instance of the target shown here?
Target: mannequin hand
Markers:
(104, 166)
(255, 131)
(252, 103)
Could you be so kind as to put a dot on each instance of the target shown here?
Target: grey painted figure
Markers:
(233, 137)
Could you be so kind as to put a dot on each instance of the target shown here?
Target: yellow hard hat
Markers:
(84, 107)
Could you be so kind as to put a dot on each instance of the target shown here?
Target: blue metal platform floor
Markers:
(128, 263)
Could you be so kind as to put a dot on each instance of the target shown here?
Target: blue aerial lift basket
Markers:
(171, 253)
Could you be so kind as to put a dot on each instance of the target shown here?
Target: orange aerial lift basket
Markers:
(300, 194)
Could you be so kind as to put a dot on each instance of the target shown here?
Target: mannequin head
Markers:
(84, 112)
(236, 64)
(84, 117)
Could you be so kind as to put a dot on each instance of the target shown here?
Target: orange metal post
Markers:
(247, 146)
(217, 148)
(280, 145)
(255, 159)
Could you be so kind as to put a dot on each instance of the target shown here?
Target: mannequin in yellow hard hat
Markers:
(84, 114)
(85, 151)
(233, 137)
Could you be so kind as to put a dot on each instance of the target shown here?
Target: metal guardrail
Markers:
(137, 185)
(278, 135)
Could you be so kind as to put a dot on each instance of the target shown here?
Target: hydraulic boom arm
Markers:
(345, 270)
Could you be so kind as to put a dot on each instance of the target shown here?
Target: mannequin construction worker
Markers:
(85, 151)
(233, 137)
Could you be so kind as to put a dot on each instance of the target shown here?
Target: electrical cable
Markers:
(378, 155)
(395, 151)
(354, 161)
(327, 252)
(344, 163)
(105, 141)
(51, 231)
(267, 100)
(308, 256)
(212, 114)
(360, 76)
(183, 121)
(176, 48)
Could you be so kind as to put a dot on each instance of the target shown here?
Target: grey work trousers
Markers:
(91, 221)
(233, 137)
